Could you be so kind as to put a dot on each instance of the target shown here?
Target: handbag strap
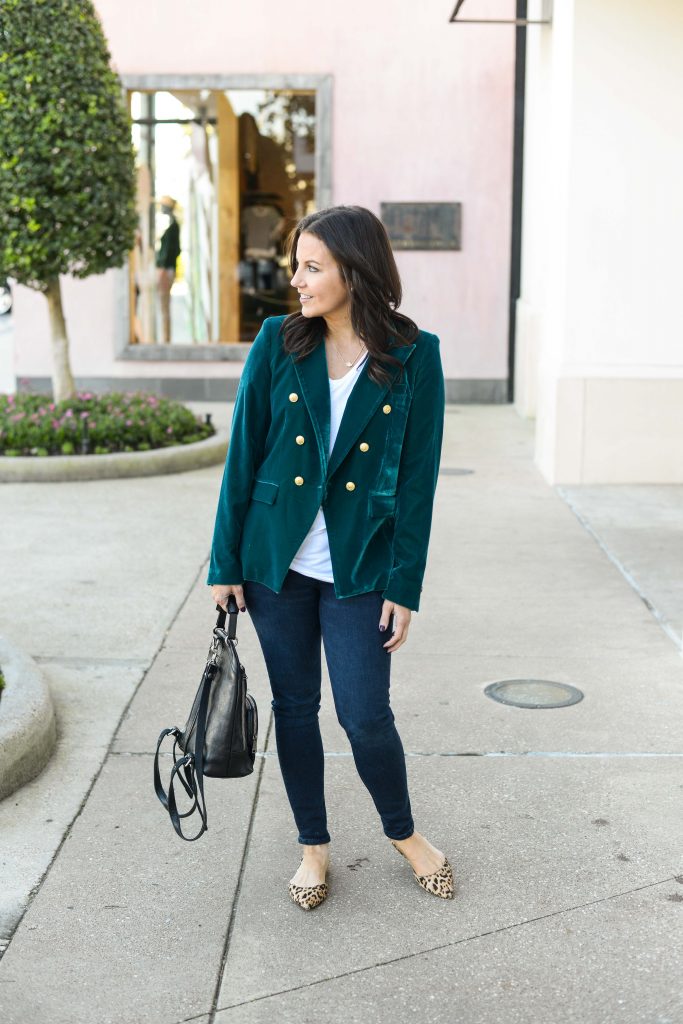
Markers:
(186, 764)
(233, 612)
(158, 788)
(193, 767)
(186, 782)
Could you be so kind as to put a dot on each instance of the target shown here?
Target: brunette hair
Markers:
(359, 243)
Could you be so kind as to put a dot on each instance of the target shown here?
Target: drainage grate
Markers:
(533, 693)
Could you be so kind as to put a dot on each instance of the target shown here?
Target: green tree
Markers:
(67, 165)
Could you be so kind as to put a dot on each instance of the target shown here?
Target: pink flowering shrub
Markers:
(114, 422)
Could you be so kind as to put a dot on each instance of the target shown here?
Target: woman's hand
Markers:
(220, 592)
(401, 624)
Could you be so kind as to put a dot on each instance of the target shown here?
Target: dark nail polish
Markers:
(382, 628)
(243, 608)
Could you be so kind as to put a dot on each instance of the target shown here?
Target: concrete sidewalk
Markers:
(563, 826)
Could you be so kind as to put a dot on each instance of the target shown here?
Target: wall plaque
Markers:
(422, 225)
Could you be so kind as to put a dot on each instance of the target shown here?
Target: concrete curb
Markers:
(28, 728)
(55, 468)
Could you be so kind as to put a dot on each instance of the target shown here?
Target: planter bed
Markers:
(28, 729)
(172, 459)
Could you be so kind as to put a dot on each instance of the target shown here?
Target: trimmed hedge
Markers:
(67, 164)
(31, 424)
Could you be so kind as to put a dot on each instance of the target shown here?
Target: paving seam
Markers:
(447, 753)
(195, 1016)
(238, 888)
(630, 579)
(443, 945)
(85, 662)
(36, 888)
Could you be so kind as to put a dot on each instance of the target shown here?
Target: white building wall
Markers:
(600, 321)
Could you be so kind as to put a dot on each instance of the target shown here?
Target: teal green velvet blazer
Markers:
(376, 487)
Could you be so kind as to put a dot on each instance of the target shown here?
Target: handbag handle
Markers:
(233, 612)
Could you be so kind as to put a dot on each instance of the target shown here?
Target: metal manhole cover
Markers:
(533, 693)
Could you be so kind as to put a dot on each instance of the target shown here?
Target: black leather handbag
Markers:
(219, 738)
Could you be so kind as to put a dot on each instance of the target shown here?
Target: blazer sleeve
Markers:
(250, 422)
(418, 474)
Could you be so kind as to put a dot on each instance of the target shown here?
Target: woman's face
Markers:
(322, 291)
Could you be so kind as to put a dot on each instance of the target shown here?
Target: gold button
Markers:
(300, 439)
(364, 446)
(294, 397)
(350, 486)
(386, 408)
(298, 480)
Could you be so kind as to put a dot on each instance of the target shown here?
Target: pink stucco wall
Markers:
(422, 111)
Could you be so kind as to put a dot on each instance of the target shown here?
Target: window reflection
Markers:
(223, 176)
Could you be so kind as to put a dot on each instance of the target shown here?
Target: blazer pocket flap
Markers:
(381, 503)
(264, 490)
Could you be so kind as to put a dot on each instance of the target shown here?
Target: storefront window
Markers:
(223, 176)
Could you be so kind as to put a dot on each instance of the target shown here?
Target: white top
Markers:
(313, 557)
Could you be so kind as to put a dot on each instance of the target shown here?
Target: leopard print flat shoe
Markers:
(439, 883)
(308, 896)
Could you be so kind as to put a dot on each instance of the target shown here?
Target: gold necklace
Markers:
(362, 346)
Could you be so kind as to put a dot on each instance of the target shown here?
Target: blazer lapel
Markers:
(313, 381)
(361, 404)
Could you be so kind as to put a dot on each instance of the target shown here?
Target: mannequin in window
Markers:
(262, 225)
(166, 258)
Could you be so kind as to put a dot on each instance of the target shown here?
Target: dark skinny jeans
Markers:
(289, 626)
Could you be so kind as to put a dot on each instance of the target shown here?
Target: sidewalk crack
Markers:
(444, 945)
(240, 875)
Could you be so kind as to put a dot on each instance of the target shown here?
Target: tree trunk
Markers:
(62, 382)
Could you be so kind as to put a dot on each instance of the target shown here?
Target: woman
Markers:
(324, 517)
